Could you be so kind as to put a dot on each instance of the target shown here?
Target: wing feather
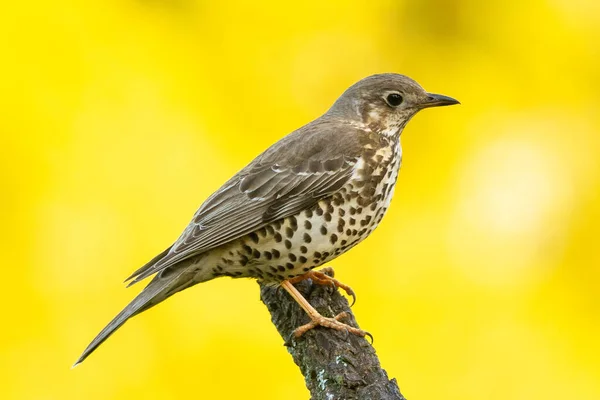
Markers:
(279, 183)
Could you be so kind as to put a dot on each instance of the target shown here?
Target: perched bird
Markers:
(307, 199)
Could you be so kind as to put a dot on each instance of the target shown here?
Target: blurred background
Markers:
(118, 118)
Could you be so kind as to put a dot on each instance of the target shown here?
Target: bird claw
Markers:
(326, 278)
(332, 323)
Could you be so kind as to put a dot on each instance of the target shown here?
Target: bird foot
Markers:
(332, 323)
(326, 279)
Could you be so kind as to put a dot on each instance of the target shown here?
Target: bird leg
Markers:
(316, 318)
(321, 278)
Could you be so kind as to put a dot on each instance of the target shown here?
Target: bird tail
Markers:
(163, 285)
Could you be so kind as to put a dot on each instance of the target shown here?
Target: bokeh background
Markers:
(118, 118)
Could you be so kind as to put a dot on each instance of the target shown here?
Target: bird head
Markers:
(384, 103)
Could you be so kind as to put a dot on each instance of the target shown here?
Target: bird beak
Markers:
(438, 100)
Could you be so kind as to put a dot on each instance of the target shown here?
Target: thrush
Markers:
(308, 198)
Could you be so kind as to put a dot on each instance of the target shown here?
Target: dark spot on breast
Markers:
(330, 208)
(323, 230)
(278, 237)
(373, 206)
(354, 231)
(262, 231)
(292, 256)
(254, 237)
(247, 248)
(256, 253)
(280, 277)
(341, 212)
(276, 253)
(288, 244)
(352, 210)
(289, 232)
(268, 255)
(289, 265)
(272, 268)
(326, 254)
(352, 221)
(348, 232)
(362, 201)
(307, 224)
(318, 254)
(327, 217)
(302, 259)
(243, 260)
(343, 242)
(307, 238)
(281, 268)
(305, 269)
(238, 273)
(359, 210)
(303, 249)
(308, 213)
(333, 238)
(270, 229)
(319, 211)
(293, 222)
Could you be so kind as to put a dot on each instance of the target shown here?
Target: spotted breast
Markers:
(293, 246)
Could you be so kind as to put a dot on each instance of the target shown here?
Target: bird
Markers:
(310, 197)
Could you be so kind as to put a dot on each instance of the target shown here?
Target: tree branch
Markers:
(335, 365)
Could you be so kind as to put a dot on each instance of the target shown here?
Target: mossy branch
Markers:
(335, 365)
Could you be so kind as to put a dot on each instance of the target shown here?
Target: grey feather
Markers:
(307, 165)
(161, 287)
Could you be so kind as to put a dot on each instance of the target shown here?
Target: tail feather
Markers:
(157, 290)
(147, 266)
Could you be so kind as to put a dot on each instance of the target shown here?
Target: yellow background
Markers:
(118, 118)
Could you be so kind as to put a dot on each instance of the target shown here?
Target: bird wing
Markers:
(292, 175)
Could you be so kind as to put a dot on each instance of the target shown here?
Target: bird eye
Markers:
(394, 99)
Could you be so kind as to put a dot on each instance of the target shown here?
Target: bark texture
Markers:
(335, 365)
